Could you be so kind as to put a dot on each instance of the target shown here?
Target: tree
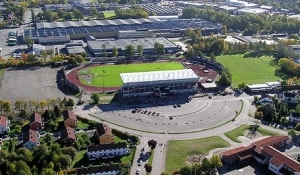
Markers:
(292, 133)
(212, 57)
(297, 127)
(258, 115)
(206, 166)
(129, 51)
(79, 59)
(190, 52)
(65, 161)
(19, 168)
(28, 41)
(224, 30)
(94, 12)
(69, 151)
(43, 104)
(186, 170)
(48, 15)
(148, 168)
(101, 15)
(140, 50)
(159, 49)
(56, 111)
(104, 54)
(242, 85)
(115, 52)
(32, 15)
(77, 14)
(36, 105)
(95, 97)
(6, 107)
(24, 154)
(70, 102)
(48, 139)
(216, 161)
(18, 105)
(31, 58)
(152, 144)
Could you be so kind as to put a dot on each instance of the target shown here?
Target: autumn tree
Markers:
(18, 105)
(43, 104)
(115, 52)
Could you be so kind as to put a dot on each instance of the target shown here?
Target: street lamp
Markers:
(103, 71)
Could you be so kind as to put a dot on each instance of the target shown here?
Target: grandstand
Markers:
(110, 28)
(158, 83)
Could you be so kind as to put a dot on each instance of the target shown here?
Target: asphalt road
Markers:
(160, 152)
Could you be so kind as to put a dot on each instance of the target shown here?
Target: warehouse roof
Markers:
(67, 24)
(158, 76)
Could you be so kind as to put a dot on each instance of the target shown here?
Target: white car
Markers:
(138, 171)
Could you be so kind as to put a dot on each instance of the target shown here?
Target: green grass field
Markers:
(249, 70)
(179, 150)
(109, 14)
(112, 72)
(235, 133)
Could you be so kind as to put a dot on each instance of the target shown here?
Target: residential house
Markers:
(99, 170)
(70, 118)
(30, 139)
(104, 151)
(290, 97)
(4, 124)
(294, 117)
(104, 134)
(37, 49)
(67, 135)
(36, 122)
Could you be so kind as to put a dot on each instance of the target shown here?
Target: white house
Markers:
(112, 169)
(36, 49)
(294, 117)
(290, 97)
(4, 124)
(104, 151)
(31, 139)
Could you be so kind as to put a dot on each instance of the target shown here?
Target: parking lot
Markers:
(37, 83)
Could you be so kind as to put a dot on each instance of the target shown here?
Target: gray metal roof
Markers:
(67, 24)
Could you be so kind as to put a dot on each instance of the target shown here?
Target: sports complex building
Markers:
(158, 83)
(63, 32)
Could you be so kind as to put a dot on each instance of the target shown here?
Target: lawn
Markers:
(112, 72)
(179, 150)
(249, 70)
(235, 133)
(109, 14)
(82, 125)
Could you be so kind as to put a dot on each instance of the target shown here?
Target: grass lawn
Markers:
(78, 157)
(108, 14)
(249, 70)
(234, 134)
(112, 72)
(81, 125)
(151, 157)
(128, 159)
(179, 150)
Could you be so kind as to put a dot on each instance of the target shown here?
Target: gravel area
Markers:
(30, 83)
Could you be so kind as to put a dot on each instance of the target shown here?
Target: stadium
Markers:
(140, 79)
(63, 32)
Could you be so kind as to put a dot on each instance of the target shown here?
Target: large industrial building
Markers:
(62, 32)
(95, 46)
(158, 83)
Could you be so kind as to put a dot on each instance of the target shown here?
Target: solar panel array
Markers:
(159, 10)
(45, 33)
(163, 25)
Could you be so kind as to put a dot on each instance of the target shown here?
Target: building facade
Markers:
(158, 83)
(104, 134)
(31, 139)
(105, 151)
(70, 118)
(4, 124)
(36, 122)
(112, 169)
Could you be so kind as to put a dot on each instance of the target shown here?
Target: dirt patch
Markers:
(197, 158)
(251, 135)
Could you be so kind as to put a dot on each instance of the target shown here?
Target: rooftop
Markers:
(36, 117)
(158, 76)
(97, 169)
(67, 132)
(3, 120)
(279, 158)
(103, 128)
(30, 136)
(111, 146)
(68, 114)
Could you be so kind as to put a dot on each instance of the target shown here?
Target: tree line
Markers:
(251, 23)
(133, 12)
(290, 5)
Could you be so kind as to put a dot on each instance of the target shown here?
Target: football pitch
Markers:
(94, 76)
(249, 70)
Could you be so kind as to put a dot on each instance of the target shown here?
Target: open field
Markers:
(93, 76)
(179, 150)
(249, 70)
(235, 133)
(109, 14)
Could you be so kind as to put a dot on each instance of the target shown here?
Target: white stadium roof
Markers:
(158, 76)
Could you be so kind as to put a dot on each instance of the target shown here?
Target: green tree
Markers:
(140, 50)
(115, 52)
(6, 107)
(101, 15)
(31, 58)
(65, 161)
(32, 15)
(69, 151)
(216, 161)
(78, 15)
(186, 170)
(292, 133)
(297, 127)
(94, 12)
(104, 54)
(297, 108)
(206, 166)
(19, 168)
(242, 85)
(159, 49)
(48, 139)
(95, 97)
(212, 57)
(224, 30)
(129, 51)
(190, 52)
(79, 59)
(28, 41)
(18, 105)
(24, 154)
(48, 15)
(44, 56)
